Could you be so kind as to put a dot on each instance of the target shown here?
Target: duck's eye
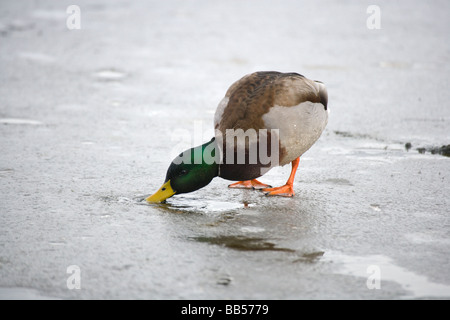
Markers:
(183, 172)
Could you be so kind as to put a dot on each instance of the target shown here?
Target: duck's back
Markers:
(288, 102)
(249, 98)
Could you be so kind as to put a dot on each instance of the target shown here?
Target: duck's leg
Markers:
(288, 189)
(249, 184)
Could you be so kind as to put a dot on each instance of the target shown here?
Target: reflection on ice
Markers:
(242, 243)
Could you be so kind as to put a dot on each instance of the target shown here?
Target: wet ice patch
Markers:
(375, 207)
(442, 150)
(242, 243)
(424, 238)
(20, 121)
(124, 200)
(367, 145)
(353, 135)
(57, 243)
(121, 199)
(251, 229)
(224, 280)
(15, 25)
(418, 286)
(6, 171)
(339, 181)
(194, 204)
(310, 257)
(109, 75)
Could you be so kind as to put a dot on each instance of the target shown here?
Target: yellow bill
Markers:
(162, 194)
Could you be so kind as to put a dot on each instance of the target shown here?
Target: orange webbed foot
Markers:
(249, 184)
(284, 191)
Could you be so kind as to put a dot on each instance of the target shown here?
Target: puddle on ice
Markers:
(418, 286)
(242, 243)
(247, 243)
(190, 203)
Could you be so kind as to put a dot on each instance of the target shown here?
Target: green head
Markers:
(191, 170)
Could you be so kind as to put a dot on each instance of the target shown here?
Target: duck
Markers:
(266, 119)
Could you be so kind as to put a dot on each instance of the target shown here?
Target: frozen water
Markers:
(91, 118)
(415, 286)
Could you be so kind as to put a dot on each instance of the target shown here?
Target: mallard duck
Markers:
(266, 119)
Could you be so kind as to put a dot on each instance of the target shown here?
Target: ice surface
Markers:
(91, 118)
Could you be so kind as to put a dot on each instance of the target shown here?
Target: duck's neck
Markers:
(207, 156)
